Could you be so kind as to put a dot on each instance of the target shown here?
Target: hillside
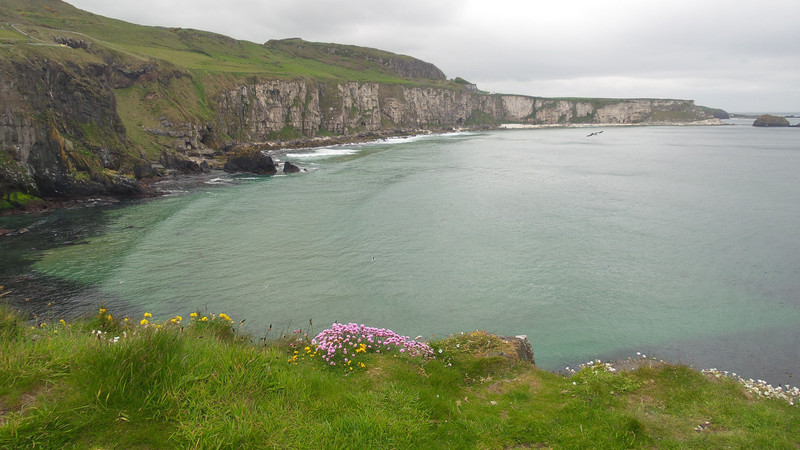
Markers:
(89, 105)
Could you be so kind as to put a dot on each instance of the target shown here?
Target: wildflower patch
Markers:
(343, 344)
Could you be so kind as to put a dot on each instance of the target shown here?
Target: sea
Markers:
(679, 243)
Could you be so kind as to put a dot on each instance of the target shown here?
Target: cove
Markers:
(678, 242)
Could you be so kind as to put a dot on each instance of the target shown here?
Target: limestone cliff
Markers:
(264, 111)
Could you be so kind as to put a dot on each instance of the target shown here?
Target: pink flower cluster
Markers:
(343, 341)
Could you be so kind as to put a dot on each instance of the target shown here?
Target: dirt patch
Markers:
(20, 405)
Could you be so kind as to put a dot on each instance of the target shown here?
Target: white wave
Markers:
(218, 181)
(324, 152)
(353, 148)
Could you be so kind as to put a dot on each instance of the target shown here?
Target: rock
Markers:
(176, 161)
(522, 347)
(290, 168)
(70, 41)
(771, 121)
(252, 161)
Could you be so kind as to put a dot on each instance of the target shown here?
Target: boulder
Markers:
(251, 161)
(290, 168)
(771, 121)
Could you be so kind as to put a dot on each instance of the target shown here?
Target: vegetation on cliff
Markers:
(119, 382)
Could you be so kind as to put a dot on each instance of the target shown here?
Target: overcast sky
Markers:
(738, 56)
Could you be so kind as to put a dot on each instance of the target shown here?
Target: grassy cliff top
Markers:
(51, 22)
(118, 382)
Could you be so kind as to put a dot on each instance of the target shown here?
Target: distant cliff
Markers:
(261, 111)
(80, 115)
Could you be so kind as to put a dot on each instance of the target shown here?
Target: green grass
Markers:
(673, 116)
(198, 383)
(203, 51)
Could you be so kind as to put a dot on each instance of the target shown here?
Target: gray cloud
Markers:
(740, 57)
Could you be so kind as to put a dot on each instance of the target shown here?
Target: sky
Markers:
(738, 56)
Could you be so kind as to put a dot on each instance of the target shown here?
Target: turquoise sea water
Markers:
(678, 242)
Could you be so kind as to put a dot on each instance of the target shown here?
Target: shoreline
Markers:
(280, 148)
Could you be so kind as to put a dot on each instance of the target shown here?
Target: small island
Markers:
(768, 120)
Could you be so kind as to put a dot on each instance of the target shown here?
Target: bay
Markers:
(677, 242)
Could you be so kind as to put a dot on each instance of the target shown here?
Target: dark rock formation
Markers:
(60, 134)
(290, 168)
(251, 161)
(176, 161)
(771, 121)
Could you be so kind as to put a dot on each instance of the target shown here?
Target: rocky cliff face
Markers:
(60, 134)
(265, 111)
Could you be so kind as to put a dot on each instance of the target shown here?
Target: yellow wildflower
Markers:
(148, 314)
(362, 365)
(108, 317)
(102, 311)
(193, 315)
(224, 316)
(125, 320)
(143, 322)
(178, 318)
(361, 348)
(62, 322)
(204, 319)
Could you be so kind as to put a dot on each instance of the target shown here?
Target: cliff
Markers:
(266, 110)
(90, 105)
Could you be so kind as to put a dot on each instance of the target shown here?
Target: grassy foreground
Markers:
(108, 382)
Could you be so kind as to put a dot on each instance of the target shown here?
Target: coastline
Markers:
(174, 180)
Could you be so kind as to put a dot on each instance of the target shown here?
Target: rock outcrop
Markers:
(290, 168)
(771, 121)
(251, 160)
